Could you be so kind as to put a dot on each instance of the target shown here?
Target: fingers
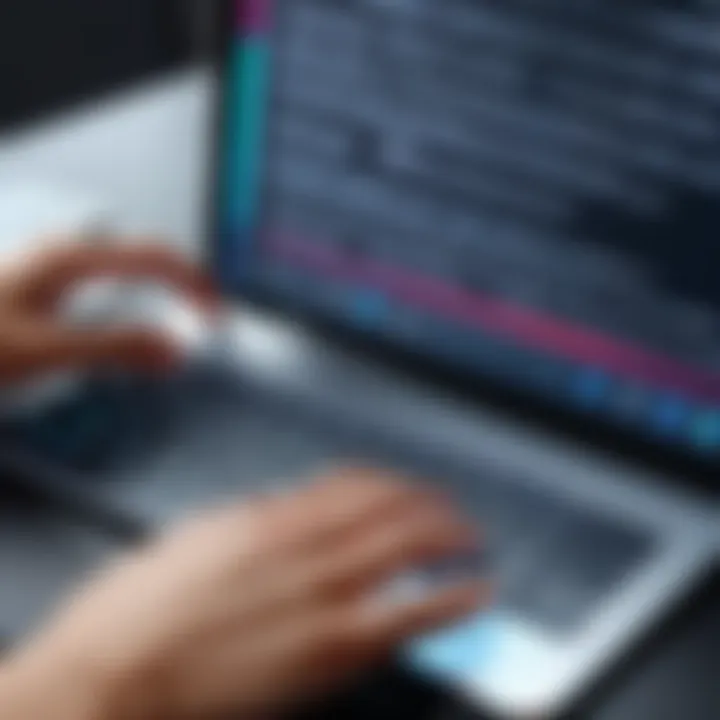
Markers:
(297, 530)
(361, 523)
(42, 347)
(380, 529)
(352, 637)
(132, 348)
(399, 529)
(339, 505)
(410, 540)
(64, 267)
(382, 627)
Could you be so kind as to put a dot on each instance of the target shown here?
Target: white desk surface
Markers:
(141, 153)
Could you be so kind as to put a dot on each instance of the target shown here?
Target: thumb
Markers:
(36, 349)
(132, 348)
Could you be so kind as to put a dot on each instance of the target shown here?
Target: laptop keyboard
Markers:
(158, 452)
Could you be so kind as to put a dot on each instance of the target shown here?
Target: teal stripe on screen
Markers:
(246, 131)
(232, 120)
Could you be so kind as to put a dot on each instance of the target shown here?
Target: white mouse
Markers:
(123, 303)
(147, 305)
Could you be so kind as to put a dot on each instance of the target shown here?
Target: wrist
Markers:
(32, 690)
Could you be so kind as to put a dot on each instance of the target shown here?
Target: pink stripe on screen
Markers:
(500, 317)
(254, 16)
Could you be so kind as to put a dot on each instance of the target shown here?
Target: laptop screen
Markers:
(528, 190)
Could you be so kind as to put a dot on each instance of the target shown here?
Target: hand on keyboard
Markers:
(252, 609)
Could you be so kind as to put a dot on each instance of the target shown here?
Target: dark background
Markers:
(58, 53)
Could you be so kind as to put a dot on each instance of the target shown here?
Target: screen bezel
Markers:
(678, 463)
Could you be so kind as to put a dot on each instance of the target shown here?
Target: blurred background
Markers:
(45, 46)
(89, 91)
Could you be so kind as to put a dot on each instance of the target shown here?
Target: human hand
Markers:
(34, 338)
(253, 610)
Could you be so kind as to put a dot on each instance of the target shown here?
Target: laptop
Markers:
(474, 242)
